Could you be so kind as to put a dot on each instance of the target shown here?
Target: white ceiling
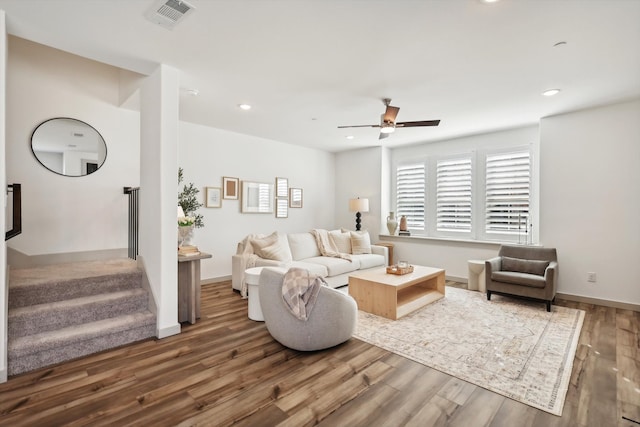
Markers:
(308, 66)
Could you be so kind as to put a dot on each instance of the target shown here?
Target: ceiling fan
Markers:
(388, 122)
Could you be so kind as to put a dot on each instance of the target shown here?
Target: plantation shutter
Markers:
(508, 185)
(410, 194)
(453, 195)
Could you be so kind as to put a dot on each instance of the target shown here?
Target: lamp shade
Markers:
(359, 205)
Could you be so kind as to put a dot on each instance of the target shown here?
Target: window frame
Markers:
(478, 230)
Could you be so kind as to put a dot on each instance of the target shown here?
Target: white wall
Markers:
(359, 174)
(3, 184)
(590, 199)
(68, 214)
(207, 154)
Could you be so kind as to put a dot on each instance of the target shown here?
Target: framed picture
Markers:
(282, 187)
(282, 210)
(257, 197)
(230, 188)
(214, 199)
(295, 197)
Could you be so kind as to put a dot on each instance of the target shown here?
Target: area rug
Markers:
(509, 346)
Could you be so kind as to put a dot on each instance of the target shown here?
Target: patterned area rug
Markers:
(509, 346)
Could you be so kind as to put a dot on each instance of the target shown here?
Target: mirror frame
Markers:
(94, 165)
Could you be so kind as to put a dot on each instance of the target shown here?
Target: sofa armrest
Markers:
(551, 276)
(491, 265)
(239, 264)
(381, 250)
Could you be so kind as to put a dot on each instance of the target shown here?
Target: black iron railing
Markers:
(133, 220)
(16, 209)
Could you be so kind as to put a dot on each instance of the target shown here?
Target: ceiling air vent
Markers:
(167, 13)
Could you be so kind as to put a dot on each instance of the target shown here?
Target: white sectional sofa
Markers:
(301, 250)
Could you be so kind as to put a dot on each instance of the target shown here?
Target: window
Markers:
(508, 184)
(481, 195)
(453, 195)
(410, 194)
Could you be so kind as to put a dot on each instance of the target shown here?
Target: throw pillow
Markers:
(271, 247)
(341, 240)
(360, 242)
(524, 265)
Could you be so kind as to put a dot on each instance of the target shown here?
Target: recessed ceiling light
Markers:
(244, 107)
(551, 92)
(489, 1)
(350, 137)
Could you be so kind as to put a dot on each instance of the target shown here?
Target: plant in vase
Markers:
(188, 201)
(188, 219)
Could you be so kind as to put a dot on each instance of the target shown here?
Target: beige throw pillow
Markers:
(271, 247)
(341, 240)
(360, 242)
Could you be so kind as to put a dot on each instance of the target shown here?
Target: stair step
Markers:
(47, 348)
(39, 285)
(61, 314)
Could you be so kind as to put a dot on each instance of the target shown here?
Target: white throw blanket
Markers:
(248, 259)
(327, 246)
(300, 290)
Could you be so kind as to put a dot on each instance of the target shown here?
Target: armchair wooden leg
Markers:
(548, 305)
(488, 295)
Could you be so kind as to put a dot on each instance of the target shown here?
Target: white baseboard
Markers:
(3, 376)
(598, 301)
(456, 279)
(168, 331)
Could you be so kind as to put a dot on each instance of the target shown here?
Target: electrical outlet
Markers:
(591, 277)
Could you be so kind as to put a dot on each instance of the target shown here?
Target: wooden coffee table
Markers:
(393, 296)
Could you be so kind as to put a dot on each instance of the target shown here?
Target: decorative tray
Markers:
(394, 269)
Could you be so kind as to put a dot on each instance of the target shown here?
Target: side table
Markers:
(477, 280)
(189, 287)
(389, 246)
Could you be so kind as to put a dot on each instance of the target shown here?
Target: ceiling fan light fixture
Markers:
(387, 128)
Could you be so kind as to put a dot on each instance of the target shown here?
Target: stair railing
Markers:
(16, 207)
(133, 221)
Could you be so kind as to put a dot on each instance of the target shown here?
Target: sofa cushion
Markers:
(369, 260)
(303, 245)
(360, 242)
(273, 246)
(314, 268)
(341, 240)
(523, 279)
(335, 266)
(524, 265)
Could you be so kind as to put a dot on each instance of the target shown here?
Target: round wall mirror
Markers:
(68, 147)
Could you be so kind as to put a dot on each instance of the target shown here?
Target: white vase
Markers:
(392, 223)
(185, 233)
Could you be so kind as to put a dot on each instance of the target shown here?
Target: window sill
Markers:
(418, 238)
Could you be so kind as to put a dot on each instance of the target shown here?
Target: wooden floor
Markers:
(226, 369)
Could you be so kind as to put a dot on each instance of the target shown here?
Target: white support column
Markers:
(158, 192)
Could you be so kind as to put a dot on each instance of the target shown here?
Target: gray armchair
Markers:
(523, 271)
(331, 322)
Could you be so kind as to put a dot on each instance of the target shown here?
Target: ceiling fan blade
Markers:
(390, 114)
(384, 135)
(419, 123)
(359, 126)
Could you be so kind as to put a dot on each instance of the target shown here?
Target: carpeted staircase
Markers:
(65, 311)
